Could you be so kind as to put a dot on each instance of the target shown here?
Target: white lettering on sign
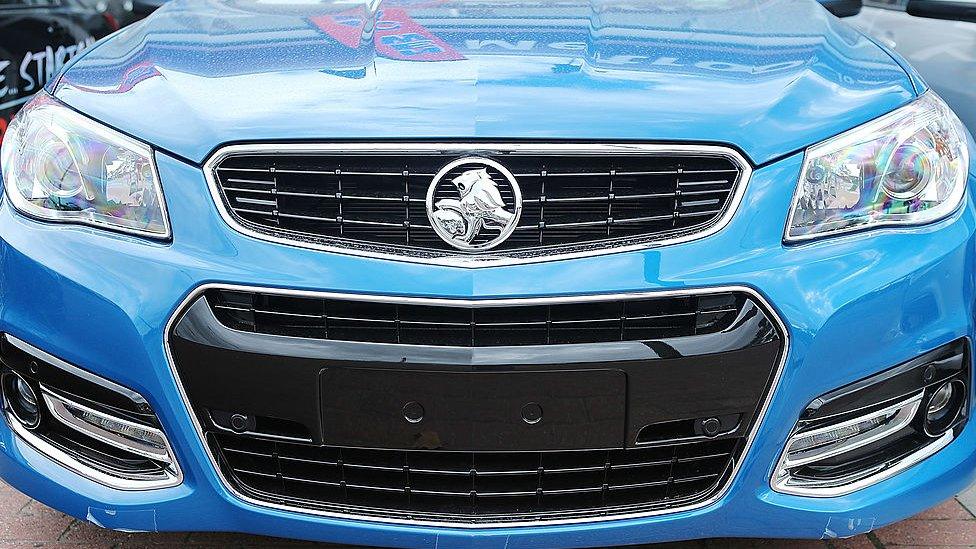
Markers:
(4, 88)
(38, 67)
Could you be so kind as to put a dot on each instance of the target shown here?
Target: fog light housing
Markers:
(126, 435)
(20, 399)
(944, 407)
(90, 425)
(875, 428)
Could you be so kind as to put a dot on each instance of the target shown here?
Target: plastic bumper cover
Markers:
(853, 306)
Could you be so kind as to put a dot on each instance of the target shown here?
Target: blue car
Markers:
(488, 274)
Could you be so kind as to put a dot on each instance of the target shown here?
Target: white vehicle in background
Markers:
(938, 37)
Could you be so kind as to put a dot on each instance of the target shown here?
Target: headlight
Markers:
(905, 168)
(61, 166)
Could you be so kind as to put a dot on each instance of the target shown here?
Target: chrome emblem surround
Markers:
(473, 211)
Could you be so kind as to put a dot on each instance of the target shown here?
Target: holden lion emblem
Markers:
(474, 203)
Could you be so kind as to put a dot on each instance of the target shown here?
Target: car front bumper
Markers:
(852, 305)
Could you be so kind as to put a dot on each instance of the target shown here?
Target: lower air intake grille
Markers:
(88, 424)
(597, 322)
(477, 412)
(472, 486)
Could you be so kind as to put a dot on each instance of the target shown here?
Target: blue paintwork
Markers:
(201, 74)
(853, 305)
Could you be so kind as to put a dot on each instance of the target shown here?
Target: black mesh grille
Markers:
(567, 200)
(593, 322)
(475, 487)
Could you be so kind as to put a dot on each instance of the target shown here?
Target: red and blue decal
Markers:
(396, 35)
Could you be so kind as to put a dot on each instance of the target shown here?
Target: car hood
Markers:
(769, 77)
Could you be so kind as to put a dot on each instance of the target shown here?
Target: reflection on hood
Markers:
(672, 70)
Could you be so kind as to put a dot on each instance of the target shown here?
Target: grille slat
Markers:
(568, 199)
(252, 191)
(308, 217)
(697, 214)
(701, 183)
(249, 181)
(463, 486)
(350, 320)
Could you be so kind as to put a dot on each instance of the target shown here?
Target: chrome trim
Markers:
(70, 463)
(874, 477)
(455, 259)
(505, 232)
(74, 370)
(784, 482)
(901, 414)
(760, 417)
(61, 407)
(174, 475)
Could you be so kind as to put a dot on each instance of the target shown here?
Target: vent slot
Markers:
(556, 324)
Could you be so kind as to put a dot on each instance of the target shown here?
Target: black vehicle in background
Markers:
(123, 12)
(938, 37)
(119, 13)
(37, 37)
(142, 8)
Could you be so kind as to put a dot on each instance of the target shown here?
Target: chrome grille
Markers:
(476, 486)
(349, 320)
(571, 198)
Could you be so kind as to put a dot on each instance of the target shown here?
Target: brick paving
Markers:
(27, 523)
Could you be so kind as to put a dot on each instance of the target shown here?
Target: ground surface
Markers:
(27, 523)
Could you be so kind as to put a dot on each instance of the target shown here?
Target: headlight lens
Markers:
(908, 167)
(61, 166)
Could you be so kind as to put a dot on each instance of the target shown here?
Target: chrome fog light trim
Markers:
(73, 370)
(863, 479)
(170, 478)
(875, 428)
(849, 435)
(125, 435)
(97, 440)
